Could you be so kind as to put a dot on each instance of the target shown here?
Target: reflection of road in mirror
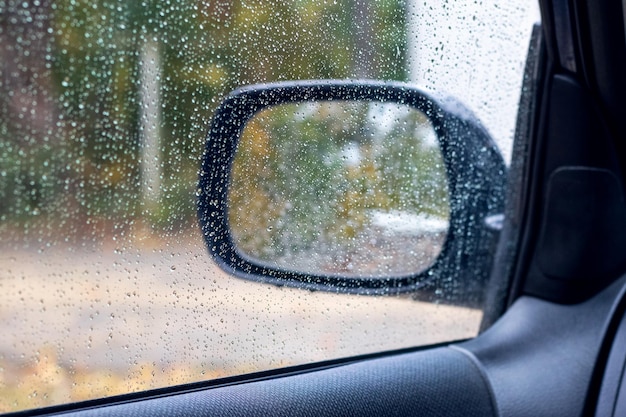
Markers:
(393, 244)
(399, 223)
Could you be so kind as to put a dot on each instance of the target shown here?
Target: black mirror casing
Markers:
(476, 179)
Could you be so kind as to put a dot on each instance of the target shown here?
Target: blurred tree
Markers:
(84, 65)
(28, 110)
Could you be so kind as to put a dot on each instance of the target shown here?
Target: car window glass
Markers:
(106, 286)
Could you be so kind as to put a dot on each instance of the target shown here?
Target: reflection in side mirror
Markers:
(351, 188)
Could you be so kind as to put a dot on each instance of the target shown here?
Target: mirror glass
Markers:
(345, 188)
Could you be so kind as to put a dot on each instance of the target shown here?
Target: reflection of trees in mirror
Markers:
(340, 187)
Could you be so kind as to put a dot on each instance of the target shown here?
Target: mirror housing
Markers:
(475, 171)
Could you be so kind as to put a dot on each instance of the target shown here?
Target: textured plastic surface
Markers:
(584, 208)
(580, 241)
(438, 382)
(612, 396)
(540, 357)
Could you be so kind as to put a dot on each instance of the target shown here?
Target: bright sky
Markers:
(474, 50)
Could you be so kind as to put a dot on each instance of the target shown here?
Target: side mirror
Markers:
(361, 187)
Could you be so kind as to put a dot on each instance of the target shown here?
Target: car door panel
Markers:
(541, 356)
(435, 382)
(442, 381)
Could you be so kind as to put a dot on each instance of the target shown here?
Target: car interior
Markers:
(553, 335)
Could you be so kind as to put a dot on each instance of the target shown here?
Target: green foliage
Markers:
(309, 177)
(91, 58)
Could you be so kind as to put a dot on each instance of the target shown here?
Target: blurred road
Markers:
(114, 308)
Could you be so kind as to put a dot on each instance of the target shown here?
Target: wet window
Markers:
(106, 285)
